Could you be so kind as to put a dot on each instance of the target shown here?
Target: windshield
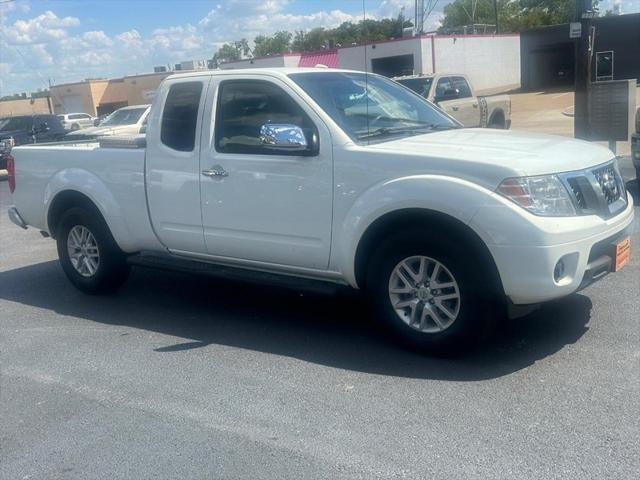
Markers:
(370, 107)
(16, 123)
(127, 116)
(419, 85)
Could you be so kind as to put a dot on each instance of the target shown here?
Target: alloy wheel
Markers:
(84, 253)
(424, 294)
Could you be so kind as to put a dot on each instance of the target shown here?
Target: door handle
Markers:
(455, 109)
(215, 171)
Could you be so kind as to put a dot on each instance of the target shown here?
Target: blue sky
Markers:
(69, 40)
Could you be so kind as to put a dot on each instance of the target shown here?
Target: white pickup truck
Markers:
(282, 172)
(454, 94)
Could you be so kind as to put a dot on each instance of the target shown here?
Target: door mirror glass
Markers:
(283, 137)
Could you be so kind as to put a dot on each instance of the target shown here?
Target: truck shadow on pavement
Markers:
(332, 330)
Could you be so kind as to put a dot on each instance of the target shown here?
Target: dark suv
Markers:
(25, 129)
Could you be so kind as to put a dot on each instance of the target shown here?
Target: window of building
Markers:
(244, 106)
(180, 116)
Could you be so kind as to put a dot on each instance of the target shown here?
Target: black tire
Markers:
(476, 304)
(75, 127)
(497, 121)
(112, 269)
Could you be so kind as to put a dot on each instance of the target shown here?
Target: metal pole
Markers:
(495, 11)
(582, 74)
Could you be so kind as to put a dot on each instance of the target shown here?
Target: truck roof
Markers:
(409, 77)
(279, 71)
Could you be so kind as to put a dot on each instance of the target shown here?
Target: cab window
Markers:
(244, 106)
(461, 84)
(180, 116)
(443, 85)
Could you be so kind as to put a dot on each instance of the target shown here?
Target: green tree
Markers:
(348, 33)
(226, 53)
(277, 43)
(513, 15)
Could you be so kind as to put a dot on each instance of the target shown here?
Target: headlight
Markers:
(544, 195)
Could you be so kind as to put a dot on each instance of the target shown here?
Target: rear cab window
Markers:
(180, 116)
(443, 85)
(461, 84)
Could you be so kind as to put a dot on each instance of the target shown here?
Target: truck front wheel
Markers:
(430, 293)
(88, 253)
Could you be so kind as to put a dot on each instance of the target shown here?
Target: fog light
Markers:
(558, 272)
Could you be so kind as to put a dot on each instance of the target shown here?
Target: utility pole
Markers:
(581, 129)
(495, 12)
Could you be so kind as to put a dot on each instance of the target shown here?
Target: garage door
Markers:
(72, 104)
(551, 67)
(393, 66)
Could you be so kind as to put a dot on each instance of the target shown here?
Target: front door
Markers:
(259, 204)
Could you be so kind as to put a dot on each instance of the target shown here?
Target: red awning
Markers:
(311, 59)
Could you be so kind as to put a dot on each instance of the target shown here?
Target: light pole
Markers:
(584, 11)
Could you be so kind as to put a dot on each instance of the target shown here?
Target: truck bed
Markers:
(111, 176)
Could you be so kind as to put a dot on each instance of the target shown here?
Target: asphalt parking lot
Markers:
(189, 377)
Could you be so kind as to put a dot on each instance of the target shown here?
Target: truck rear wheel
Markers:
(497, 121)
(88, 253)
(429, 293)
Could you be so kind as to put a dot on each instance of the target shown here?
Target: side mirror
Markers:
(284, 137)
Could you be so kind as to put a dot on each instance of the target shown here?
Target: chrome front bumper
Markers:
(15, 217)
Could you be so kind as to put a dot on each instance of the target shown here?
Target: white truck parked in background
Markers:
(454, 94)
(283, 172)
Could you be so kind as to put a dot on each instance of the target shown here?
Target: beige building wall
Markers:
(87, 96)
(140, 89)
(23, 106)
(74, 96)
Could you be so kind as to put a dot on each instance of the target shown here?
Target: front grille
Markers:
(608, 180)
(597, 191)
(578, 195)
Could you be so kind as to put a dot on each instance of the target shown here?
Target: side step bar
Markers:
(184, 265)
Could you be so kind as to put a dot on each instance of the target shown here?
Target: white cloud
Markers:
(48, 46)
(21, 6)
(97, 38)
(43, 28)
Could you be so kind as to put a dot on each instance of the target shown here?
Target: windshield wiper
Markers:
(413, 129)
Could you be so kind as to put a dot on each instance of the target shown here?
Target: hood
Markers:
(519, 153)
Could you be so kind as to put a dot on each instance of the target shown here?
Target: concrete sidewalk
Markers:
(545, 112)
